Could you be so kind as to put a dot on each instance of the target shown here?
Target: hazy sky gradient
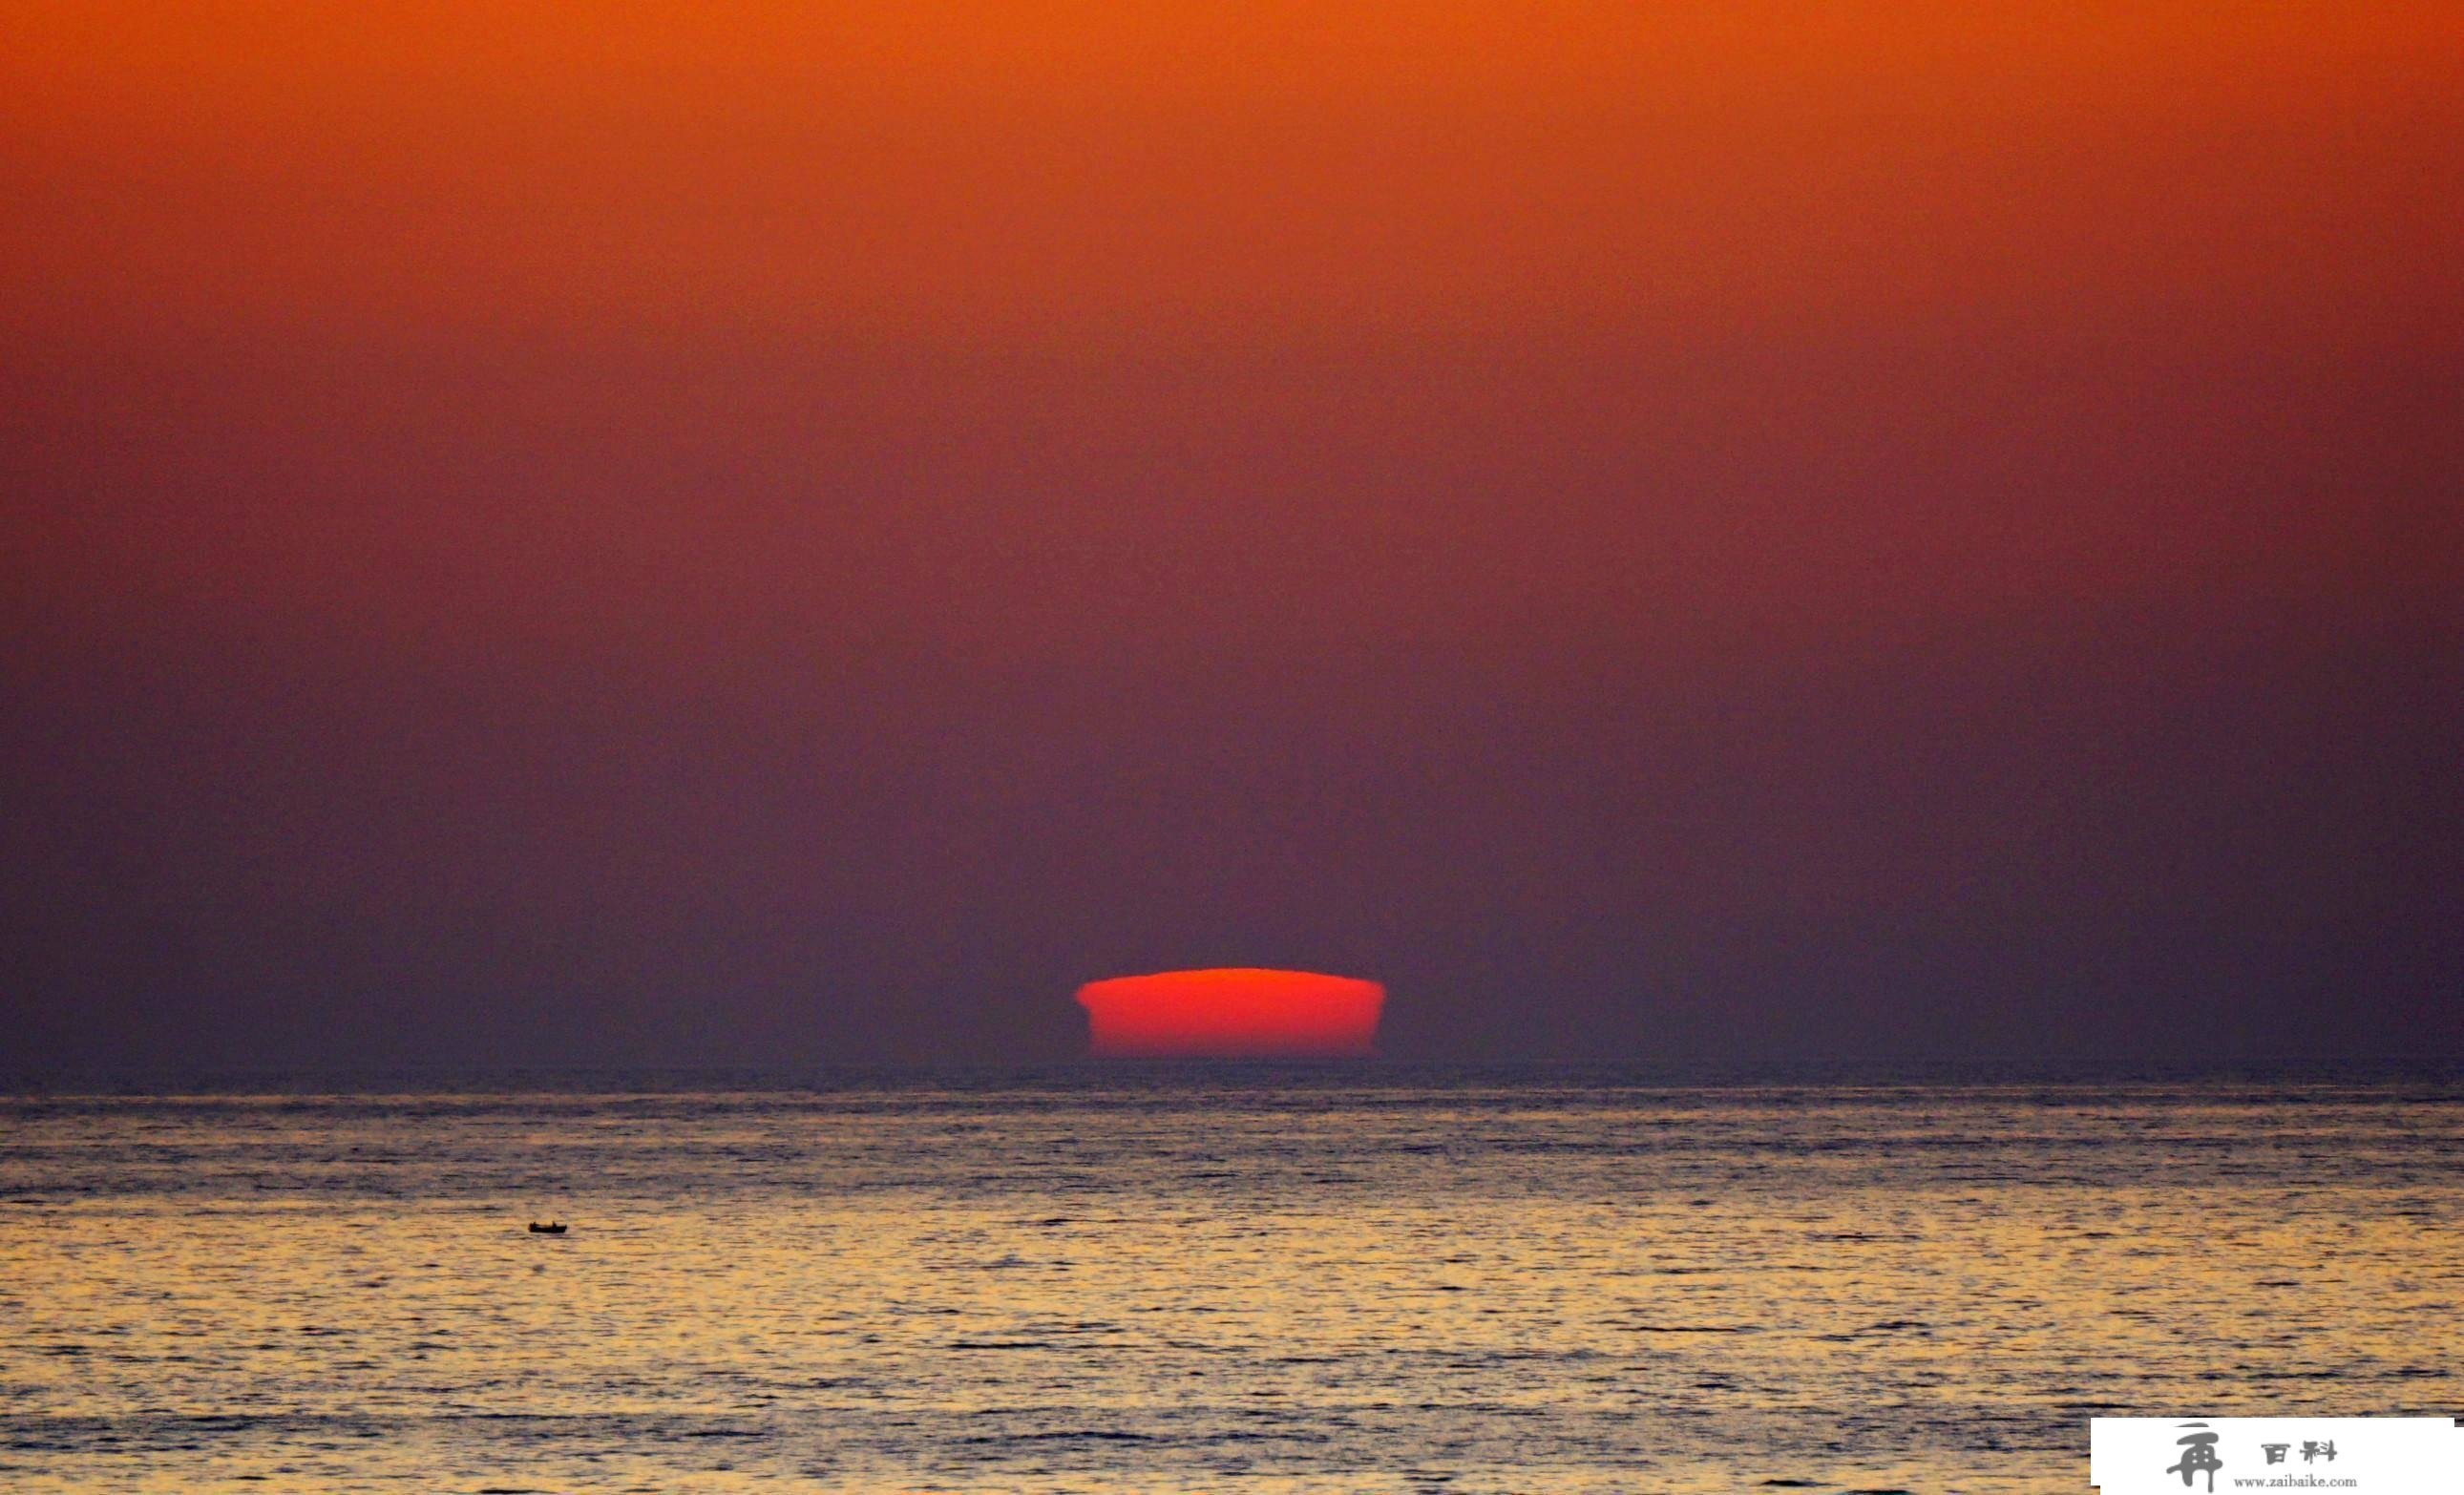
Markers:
(767, 531)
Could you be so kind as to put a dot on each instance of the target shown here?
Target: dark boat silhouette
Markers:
(553, 1228)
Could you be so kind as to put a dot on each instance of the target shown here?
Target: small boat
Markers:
(553, 1228)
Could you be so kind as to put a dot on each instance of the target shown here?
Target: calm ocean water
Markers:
(1153, 1280)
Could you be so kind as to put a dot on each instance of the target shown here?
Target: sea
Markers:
(1157, 1278)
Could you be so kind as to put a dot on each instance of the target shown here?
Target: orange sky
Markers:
(1875, 520)
(1043, 169)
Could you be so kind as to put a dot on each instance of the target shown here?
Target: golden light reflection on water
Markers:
(1304, 1290)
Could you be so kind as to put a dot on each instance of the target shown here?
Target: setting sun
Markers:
(1232, 1013)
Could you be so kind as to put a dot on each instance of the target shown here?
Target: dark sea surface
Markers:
(1145, 1279)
